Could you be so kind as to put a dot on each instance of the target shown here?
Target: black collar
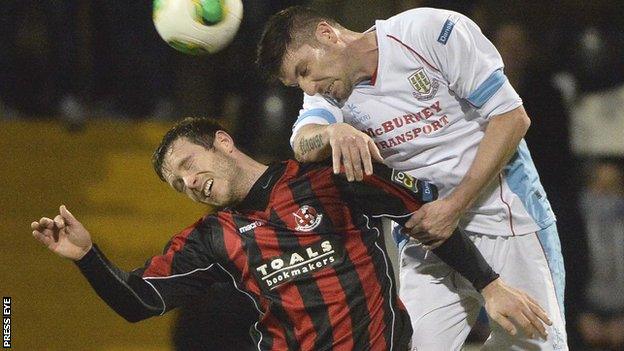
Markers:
(258, 197)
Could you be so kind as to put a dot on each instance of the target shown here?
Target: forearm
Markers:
(500, 142)
(131, 297)
(311, 143)
(460, 253)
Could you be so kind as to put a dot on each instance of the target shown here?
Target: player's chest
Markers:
(284, 248)
(406, 99)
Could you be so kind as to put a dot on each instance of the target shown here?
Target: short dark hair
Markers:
(200, 131)
(287, 29)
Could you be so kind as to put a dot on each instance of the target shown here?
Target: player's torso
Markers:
(416, 121)
(422, 127)
(307, 255)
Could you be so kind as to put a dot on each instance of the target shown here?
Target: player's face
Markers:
(204, 175)
(319, 69)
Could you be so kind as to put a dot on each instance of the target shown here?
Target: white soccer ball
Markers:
(197, 27)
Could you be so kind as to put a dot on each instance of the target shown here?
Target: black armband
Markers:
(459, 252)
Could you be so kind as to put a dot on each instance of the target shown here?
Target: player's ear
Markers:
(325, 33)
(223, 141)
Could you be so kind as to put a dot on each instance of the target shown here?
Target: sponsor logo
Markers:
(405, 180)
(424, 190)
(447, 28)
(250, 226)
(307, 218)
(425, 87)
(358, 116)
(298, 264)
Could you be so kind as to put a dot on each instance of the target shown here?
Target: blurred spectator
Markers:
(591, 50)
(58, 57)
(40, 69)
(8, 10)
(602, 323)
(68, 72)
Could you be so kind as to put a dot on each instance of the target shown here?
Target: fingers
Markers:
(44, 239)
(530, 323)
(46, 223)
(347, 162)
(366, 157)
(506, 324)
(35, 225)
(46, 227)
(527, 325)
(68, 216)
(336, 158)
(357, 161)
(374, 151)
(352, 149)
(413, 223)
(538, 310)
(59, 222)
(47, 230)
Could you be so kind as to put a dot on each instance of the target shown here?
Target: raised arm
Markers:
(131, 297)
(142, 293)
(346, 145)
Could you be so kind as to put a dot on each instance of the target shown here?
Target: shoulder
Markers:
(313, 169)
(298, 173)
(424, 18)
(421, 26)
(188, 234)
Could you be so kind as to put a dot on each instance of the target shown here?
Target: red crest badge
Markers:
(307, 218)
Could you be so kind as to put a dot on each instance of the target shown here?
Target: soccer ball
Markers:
(197, 27)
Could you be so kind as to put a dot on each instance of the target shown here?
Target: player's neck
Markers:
(250, 171)
(365, 55)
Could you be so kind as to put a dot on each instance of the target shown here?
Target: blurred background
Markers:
(87, 89)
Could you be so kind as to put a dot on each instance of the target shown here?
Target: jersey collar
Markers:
(258, 197)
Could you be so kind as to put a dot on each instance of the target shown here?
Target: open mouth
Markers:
(208, 187)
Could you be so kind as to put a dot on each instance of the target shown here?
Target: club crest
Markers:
(425, 88)
(307, 218)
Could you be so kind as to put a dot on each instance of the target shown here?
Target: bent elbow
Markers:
(526, 122)
(135, 314)
(299, 156)
(134, 318)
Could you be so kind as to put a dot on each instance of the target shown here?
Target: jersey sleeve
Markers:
(315, 110)
(387, 193)
(455, 46)
(184, 270)
(396, 195)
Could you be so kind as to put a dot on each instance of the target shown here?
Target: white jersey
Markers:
(438, 82)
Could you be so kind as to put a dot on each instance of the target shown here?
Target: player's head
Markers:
(303, 48)
(198, 157)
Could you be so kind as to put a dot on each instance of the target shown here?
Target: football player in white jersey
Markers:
(425, 92)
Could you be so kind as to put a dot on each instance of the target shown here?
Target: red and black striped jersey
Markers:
(305, 246)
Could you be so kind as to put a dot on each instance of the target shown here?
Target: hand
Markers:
(64, 235)
(433, 223)
(510, 307)
(353, 149)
